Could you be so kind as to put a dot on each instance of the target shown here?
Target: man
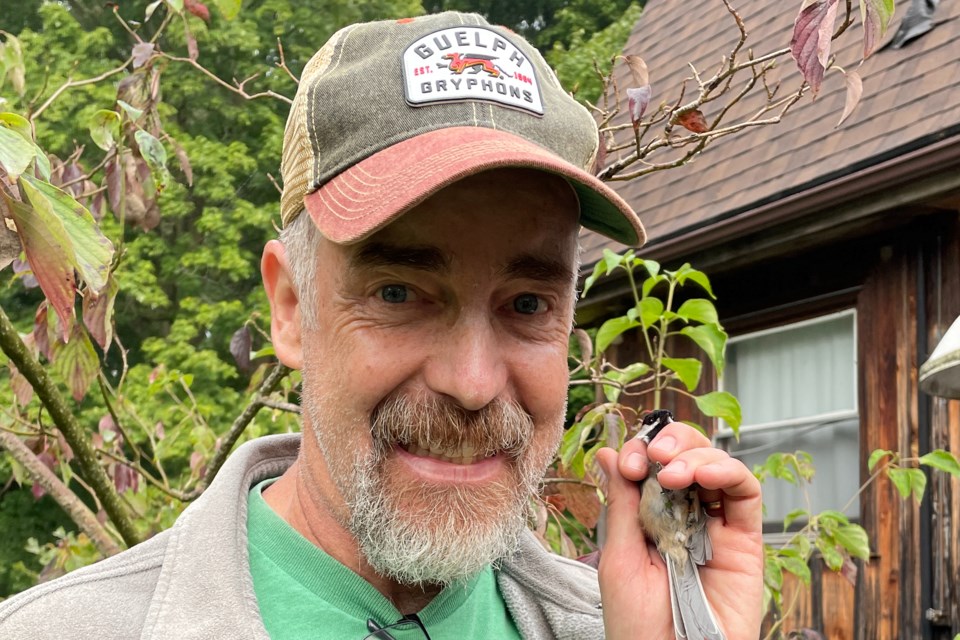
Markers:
(424, 283)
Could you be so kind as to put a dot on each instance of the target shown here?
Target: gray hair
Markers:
(300, 239)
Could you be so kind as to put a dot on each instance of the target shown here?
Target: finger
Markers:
(742, 503)
(633, 462)
(674, 438)
(682, 470)
(623, 502)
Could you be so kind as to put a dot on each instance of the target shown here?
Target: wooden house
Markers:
(835, 257)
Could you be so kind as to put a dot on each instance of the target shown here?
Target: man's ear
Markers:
(284, 305)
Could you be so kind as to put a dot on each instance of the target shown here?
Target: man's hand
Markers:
(633, 576)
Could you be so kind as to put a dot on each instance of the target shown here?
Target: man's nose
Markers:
(467, 364)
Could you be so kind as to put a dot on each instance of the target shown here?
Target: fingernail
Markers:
(677, 466)
(664, 444)
(636, 461)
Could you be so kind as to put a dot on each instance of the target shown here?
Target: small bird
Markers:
(677, 523)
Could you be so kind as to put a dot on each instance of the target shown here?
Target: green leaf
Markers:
(698, 310)
(943, 461)
(854, 539)
(908, 481)
(652, 266)
(611, 330)
(612, 260)
(150, 9)
(651, 310)
(48, 250)
(723, 405)
(623, 377)
(91, 252)
(797, 566)
(793, 516)
(105, 128)
(686, 273)
(132, 112)
(17, 123)
(650, 283)
(574, 437)
(877, 456)
(229, 8)
(12, 64)
(773, 572)
(156, 156)
(175, 5)
(16, 153)
(687, 369)
(828, 549)
(712, 339)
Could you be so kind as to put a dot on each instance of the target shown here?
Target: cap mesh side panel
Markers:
(296, 164)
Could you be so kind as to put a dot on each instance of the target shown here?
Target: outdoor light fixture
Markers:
(940, 374)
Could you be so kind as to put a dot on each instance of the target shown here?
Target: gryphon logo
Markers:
(470, 63)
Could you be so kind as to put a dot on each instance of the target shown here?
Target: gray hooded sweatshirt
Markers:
(192, 582)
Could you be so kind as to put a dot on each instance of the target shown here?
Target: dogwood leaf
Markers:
(812, 35)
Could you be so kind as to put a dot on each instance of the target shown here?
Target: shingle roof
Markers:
(911, 98)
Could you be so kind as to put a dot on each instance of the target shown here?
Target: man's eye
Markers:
(528, 304)
(395, 293)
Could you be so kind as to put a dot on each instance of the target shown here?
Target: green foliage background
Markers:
(188, 284)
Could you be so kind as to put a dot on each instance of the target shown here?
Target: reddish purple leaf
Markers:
(812, 34)
(240, 345)
(77, 362)
(592, 559)
(637, 100)
(44, 331)
(198, 9)
(183, 160)
(693, 121)
(22, 389)
(48, 461)
(854, 91)
(22, 269)
(98, 313)
(125, 478)
(109, 432)
(9, 246)
(193, 52)
(46, 244)
(849, 571)
(876, 16)
(142, 52)
(158, 431)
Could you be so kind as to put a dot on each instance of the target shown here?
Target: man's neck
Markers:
(290, 498)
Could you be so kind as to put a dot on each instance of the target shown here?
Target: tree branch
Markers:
(66, 421)
(67, 499)
(267, 387)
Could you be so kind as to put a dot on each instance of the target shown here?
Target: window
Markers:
(797, 386)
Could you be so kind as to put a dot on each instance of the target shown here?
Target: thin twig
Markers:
(71, 84)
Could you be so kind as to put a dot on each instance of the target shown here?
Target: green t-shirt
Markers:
(304, 593)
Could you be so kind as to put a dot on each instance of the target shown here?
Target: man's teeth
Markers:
(466, 454)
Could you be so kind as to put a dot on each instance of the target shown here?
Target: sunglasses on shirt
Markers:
(406, 623)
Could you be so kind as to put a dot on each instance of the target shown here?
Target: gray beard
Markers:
(439, 535)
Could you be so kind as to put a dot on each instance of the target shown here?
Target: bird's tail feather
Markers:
(693, 618)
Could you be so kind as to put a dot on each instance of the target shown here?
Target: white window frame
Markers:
(725, 433)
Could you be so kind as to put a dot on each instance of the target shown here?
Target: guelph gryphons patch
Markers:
(470, 63)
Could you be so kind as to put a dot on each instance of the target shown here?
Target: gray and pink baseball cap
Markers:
(389, 113)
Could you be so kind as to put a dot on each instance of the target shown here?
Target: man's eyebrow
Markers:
(543, 269)
(379, 254)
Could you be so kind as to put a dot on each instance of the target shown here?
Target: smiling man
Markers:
(434, 188)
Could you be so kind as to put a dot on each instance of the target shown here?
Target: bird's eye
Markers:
(394, 293)
(528, 304)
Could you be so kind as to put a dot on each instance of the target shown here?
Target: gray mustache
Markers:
(501, 426)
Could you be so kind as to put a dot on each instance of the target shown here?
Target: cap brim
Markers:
(375, 191)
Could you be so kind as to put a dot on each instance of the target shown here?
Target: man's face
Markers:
(435, 375)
